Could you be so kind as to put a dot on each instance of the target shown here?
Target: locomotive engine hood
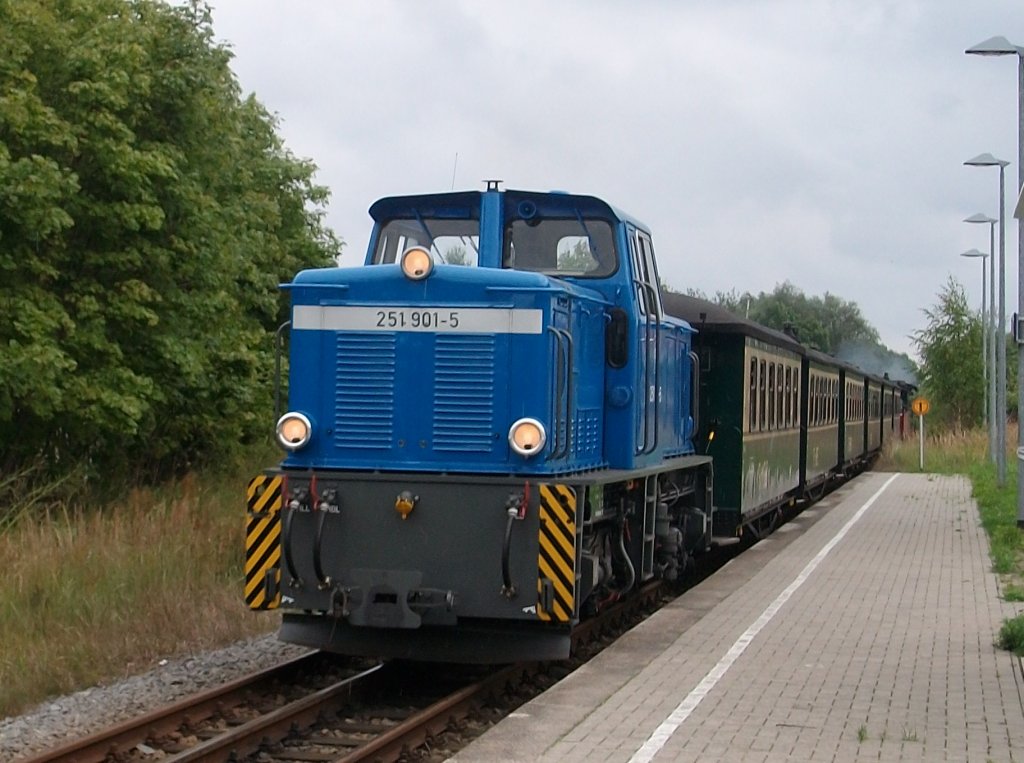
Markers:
(437, 373)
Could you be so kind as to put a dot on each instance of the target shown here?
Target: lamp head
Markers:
(973, 253)
(980, 218)
(994, 46)
(986, 160)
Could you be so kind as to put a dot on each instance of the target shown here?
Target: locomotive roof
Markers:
(707, 316)
(393, 206)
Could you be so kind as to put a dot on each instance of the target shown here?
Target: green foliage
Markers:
(828, 323)
(824, 323)
(456, 255)
(578, 259)
(1011, 635)
(951, 371)
(147, 213)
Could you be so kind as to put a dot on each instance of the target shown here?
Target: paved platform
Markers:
(863, 630)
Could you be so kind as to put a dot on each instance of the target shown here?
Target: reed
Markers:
(92, 594)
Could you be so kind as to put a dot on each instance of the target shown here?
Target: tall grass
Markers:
(967, 453)
(95, 593)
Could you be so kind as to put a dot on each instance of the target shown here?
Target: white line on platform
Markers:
(678, 716)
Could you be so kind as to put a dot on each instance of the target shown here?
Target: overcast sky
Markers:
(819, 142)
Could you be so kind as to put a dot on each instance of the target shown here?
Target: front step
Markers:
(717, 541)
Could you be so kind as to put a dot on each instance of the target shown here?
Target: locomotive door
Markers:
(648, 300)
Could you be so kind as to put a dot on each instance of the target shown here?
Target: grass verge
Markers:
(92, 594)
(997, 506)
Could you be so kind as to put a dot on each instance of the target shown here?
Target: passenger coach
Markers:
(750, 408)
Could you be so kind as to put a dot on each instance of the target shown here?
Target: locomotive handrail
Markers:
(278, 343)
(652, 326)
(564, 347)
(695, 392)
(568, 390)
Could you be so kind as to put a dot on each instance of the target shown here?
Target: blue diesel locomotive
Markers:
(489, 434)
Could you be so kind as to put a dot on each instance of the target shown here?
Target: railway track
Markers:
(363, 713)
(320, 707)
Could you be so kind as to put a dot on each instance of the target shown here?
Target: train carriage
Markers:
(876, 388)
(821, 415)
(750, 409)
(853, 425)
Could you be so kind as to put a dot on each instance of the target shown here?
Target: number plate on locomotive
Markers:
(464, 320)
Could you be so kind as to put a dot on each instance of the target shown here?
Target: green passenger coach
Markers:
(750, 416)
(823, 414)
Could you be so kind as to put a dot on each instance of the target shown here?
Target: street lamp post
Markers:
(984, 330)
(999, 410)
(1000, 46)
(990, 358)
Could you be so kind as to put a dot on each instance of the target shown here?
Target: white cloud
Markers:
(815, 141)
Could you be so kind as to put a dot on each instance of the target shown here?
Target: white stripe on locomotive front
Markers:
(440, 319)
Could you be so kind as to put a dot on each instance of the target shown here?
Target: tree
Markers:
(147, 214)
(578, 259)
(950, 350)
(456, 255)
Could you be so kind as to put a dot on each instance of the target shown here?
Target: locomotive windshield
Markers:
(575, 246)
(452, 242)
(563, 247)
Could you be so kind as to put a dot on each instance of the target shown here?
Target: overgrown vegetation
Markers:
(90, 596)
(966, 454)
(147, 213)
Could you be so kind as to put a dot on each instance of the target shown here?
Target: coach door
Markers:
(648, 299)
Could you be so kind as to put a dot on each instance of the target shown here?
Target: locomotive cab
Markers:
(489, 432)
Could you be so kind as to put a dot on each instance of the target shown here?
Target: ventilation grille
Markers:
(364, 397)
(464, 394)
(587, 434)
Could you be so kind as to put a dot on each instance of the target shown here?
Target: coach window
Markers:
(761, 391)
(812, 395)
(752, 397)
(796, 397)
(816, 397)
(780, 397)
(786, 392)
(771, 396)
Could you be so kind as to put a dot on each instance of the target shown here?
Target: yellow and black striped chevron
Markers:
(263, 543)
(556, 577)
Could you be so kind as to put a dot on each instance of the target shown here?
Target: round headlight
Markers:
(527, 437)
(293, 431)
(417, 263)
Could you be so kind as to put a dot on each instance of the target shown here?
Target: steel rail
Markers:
(122, 737)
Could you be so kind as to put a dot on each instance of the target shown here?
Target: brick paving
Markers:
(884, 651)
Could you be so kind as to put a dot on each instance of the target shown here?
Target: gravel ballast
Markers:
(85, 712)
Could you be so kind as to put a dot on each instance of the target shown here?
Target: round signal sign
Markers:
(920, 406)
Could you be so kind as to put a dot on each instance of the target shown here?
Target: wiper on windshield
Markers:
(430, 237)
(590, 239)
